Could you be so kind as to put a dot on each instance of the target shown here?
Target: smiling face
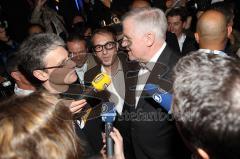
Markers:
(108, 53)
(175, 25)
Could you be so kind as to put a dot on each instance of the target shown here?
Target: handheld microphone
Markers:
(160, 96)
(108, 116)
(99, 83)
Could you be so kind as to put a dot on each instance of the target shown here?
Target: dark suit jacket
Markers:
(189, 44)
(154, 134)
(120, 123)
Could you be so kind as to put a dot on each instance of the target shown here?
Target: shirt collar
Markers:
(22, 92)
(182, 38)
(216, 52)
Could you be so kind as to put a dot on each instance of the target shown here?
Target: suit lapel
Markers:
(159, 70)
(90, 62)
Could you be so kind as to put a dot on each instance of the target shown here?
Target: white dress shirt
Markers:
(144, 73)
(80, 72)
(117, 88)
(21, 92)
(181, 40)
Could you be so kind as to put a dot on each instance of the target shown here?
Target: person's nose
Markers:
(104, 51)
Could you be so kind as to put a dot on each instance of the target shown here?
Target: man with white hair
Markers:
(144, 37)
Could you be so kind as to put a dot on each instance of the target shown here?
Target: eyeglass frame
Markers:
(104, 46)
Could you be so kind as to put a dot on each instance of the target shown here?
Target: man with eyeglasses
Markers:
(78, 52)
(115, 64)
(153, 131)
(46, 65)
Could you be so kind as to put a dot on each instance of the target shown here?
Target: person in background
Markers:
(7, 45)
(233, 43)
(7, 48)
(22, 87)
(206, 104)
(49, 19)
(79, 53)
(140, 4)
(212, 32)
(177, 20)
(35, 28)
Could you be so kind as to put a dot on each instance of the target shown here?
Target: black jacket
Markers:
(153, 132)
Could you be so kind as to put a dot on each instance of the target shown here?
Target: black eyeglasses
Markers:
(65, 64)
(108, 46)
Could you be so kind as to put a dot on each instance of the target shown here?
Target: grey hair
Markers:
(149, 19)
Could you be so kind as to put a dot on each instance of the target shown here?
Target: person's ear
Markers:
(149, 39)
(196, 37)
(202, 153)
(229, 31)
(41, 75)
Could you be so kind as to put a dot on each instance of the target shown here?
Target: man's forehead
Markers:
(103, 37)
(57, 54)
(175, 17)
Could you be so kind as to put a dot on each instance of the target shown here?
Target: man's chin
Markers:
(132, 58)
(107, 64)
(70, 79)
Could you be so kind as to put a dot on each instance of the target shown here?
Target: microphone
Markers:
(99, 83)
(160, 96)
(108, 116)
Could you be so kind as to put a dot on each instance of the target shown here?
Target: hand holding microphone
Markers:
(99, 83)
(108, 116)
(163, 98)
(118, 145)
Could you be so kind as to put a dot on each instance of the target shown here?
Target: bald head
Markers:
(212, 28)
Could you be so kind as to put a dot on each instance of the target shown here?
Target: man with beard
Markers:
(115, 64)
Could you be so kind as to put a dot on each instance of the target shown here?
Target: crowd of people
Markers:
(188, 50)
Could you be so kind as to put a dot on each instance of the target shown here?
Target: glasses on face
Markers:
(108, 46)
(68, 63)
